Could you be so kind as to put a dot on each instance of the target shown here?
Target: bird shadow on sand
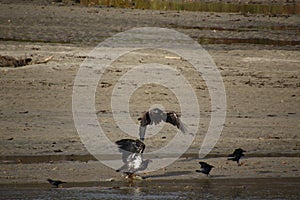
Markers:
(169, 174)
(217, 176)
(180, 173)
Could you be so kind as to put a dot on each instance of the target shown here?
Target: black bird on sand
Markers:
(205, 168)
(155, 116)
(236, 155)
(132, 156)
(55, 183)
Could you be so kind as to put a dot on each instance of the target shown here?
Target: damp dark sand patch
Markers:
(259, 41)
(91, 25)
(240, 39)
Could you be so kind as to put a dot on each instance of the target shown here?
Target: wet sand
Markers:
(38, 137)
(286, 188)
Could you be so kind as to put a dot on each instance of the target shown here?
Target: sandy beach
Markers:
(256, 54)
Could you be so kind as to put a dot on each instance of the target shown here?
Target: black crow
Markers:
(236, 155)
(132, 156)
(205, 168)
(55, 183)
(155, 116)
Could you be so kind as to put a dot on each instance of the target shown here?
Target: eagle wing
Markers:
(153, 116)
(126, 144)
(133, 146)
(174, 119)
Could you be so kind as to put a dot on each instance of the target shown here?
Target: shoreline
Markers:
(261, 81)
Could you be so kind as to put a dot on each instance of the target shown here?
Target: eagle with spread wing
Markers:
(132, 156)
(155, 116)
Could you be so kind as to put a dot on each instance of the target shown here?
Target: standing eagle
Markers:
(132, 156)
(155, 116)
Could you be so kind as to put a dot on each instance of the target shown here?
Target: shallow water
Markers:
(206, 188)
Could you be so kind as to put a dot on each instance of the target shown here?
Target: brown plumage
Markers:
(155, 116)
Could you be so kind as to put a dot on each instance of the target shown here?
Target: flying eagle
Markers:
(236, 155)
(155, 116)
(132, 156)
(205, 168)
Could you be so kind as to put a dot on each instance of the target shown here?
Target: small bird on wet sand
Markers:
(132, 156)
(205, 168)
(155, 116)
(55, 183)
(236, 155)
